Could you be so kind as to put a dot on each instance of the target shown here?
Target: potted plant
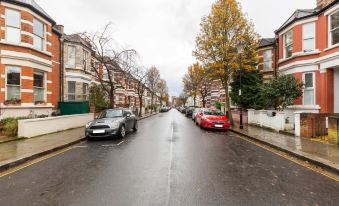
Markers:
(12, 102)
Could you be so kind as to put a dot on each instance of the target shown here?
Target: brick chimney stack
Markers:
(322, 3)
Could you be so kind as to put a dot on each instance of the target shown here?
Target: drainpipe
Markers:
(62, 69)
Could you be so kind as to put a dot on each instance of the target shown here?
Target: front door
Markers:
(336, 90)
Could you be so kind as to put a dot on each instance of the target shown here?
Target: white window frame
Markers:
(85, 56)
(6, 26)
(43, 38)
(268, 60)
(44, 84)
(20, 71)
(331, 30)
(307, 37)
(285, 45)
(75, 91)
(85, 93)
(313, 88)
(68, 56)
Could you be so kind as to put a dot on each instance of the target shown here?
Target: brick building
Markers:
(267, 62)
(29, 60)
(309, 49)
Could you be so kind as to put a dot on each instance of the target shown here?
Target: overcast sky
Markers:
(162, 31)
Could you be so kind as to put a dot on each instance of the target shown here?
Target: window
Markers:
(309, 37)
(71, 56)
(105, 74)
(85, 91)
(13, 90)
(38, 35)
(309, 95)
(71, 90)
(85, 59)
(13, 25)
(268, 60)
(288, 44)
(334, 28)
(39, 86)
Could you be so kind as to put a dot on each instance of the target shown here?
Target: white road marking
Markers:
(112, 145)
(170, 167)
(80, 146)
(120, 143)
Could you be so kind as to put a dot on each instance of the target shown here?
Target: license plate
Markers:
(219, 126)
(98, 131)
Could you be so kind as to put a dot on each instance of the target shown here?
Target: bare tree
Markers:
(162, 90)
(109, 59)
(153, 78)
(141, 76)
(183, 98)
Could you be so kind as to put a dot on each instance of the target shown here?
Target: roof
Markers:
(78, 39)
(264, 42)
(33, 6)
(297, 15)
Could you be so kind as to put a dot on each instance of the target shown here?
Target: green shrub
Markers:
(11, 128)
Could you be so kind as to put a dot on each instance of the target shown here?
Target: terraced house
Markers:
(309, 49)
(29, 60)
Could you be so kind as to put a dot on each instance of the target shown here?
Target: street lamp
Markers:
(240, 48)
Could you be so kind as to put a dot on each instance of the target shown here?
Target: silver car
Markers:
(112, 122)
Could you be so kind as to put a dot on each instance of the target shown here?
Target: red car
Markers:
(212, 119)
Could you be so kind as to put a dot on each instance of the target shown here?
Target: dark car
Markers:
(189, 111)
(112, 122)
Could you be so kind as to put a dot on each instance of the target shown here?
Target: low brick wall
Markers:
(36, 127)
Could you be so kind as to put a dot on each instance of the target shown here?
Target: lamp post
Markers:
(240, 48)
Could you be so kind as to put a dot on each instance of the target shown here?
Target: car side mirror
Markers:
(128, 115)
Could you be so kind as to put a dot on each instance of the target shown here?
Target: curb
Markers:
(35, 156)
(316, 162)
(43, 153)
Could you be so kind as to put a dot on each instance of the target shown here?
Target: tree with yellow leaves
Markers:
(191, 81)
(221, 31)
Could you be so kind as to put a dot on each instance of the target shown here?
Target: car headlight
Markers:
(115, 125)
(88, 124)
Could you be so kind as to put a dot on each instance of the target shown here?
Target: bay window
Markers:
(13, 26)
(288, 44)
(309, 37)
(38, 35)
(13, 83)
(334, 28)
(71, 90)
(71, 56)
(39, 86)
(309, 90)
(268, 60)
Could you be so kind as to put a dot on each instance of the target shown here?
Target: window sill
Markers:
(299, 54)
(332, 47)
(29, 46)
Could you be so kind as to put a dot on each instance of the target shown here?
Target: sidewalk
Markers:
(324, 155)
(13, 153)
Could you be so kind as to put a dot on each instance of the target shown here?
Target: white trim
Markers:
(331, 10)
(27, 33)
(27, 91)
(48, 34)
(27, 78)
(265, 48)
(78, 75)
(2, 16)
(49, 93)
(48, 43)
(3, 89)
(6, 54)
(299, 54)
(3, 76)
(26, 22)
(49, 82)
(311, 68)
(2, 28)
(20, 8)
(304, 21)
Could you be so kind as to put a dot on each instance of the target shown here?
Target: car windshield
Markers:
(111, 114)
(213, 112)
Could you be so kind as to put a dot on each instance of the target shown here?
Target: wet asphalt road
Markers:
(169, 161)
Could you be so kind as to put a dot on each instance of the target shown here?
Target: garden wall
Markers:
(36, 127)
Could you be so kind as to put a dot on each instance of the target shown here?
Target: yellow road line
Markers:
(288, 157)
(28, 164)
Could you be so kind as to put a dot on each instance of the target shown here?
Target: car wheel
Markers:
(201, 127)
(122, 132)
(135, 127)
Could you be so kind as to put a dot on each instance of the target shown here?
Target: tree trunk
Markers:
(203, 102)
(111, 99)
(140, 106)
(228, 105)
(194, 100)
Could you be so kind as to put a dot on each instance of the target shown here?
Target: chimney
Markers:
(323, 3)
(60, 28)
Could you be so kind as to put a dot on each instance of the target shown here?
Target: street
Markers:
(169, 161)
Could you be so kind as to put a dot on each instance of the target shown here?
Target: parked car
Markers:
(164, 109)
(112, 122)
(189, 111)
(212, 119)
(195, 112)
